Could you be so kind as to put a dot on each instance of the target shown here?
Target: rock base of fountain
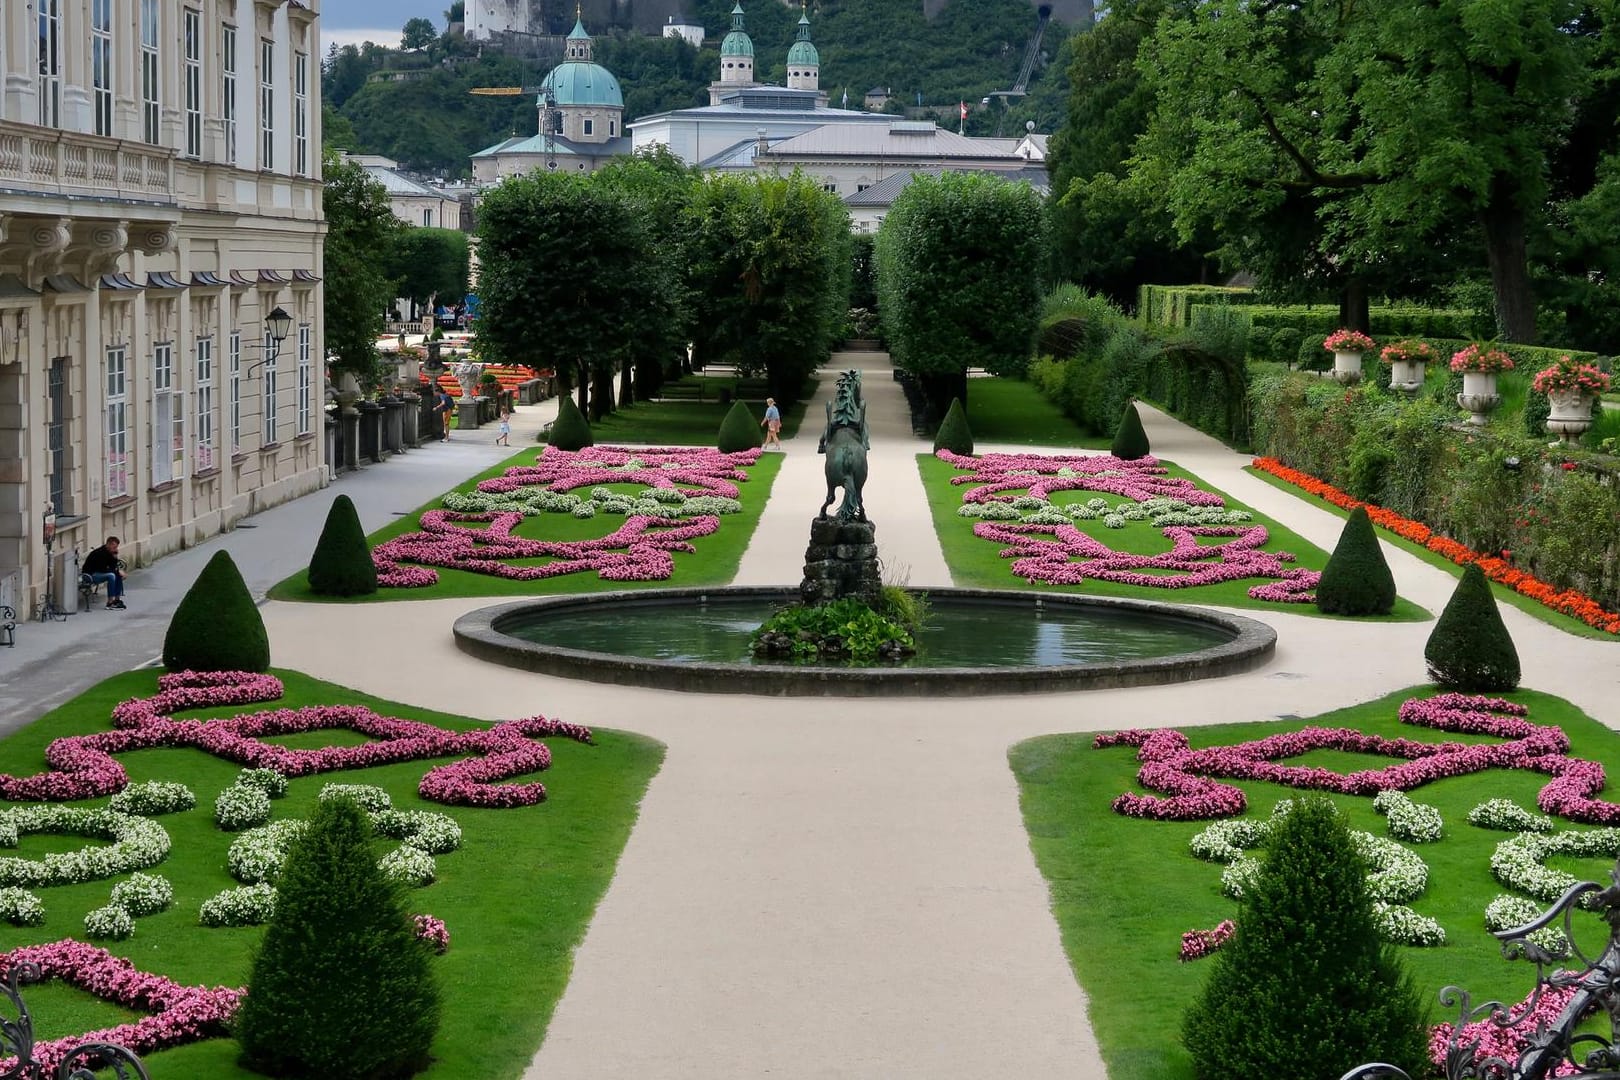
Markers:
(840, 562)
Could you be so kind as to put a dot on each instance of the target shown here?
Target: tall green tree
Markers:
(960, 263)
(429, 264)
(418, 34)
(361, 230)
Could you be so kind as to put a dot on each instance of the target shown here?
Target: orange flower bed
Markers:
(1567, 601)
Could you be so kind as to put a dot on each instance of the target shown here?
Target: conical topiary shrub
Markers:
(1306, 987)
(217, 626)
(1356, 580)
(1470, 648)
(569, 431)
(340, 986)
(341, 565)
(1130, 441)
(739, 430)
(954, 434)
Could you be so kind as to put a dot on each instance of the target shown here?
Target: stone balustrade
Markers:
(73, 163)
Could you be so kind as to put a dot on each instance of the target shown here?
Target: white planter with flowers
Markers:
(1347, 347)
(1479, 364)
(1406, 360)
(1571, 388)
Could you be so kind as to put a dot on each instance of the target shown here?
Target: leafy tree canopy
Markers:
(361, 226)
(428, 263)
(418, 34)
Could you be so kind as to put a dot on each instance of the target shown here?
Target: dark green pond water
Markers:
(957, 635)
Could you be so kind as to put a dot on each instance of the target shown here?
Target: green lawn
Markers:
(713, 563)
(516, 896)
(1013, 411)
(977, 563)
(690, 423)
(1504, 595)
(1125, 889)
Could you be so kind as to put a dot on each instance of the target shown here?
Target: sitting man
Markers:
(103, 567)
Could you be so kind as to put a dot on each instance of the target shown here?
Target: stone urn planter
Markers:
(1479, 395)
(1347, 347)
(467, 375)
(1406, 375)
(348, 393)
(1347, 367)
(1571, 413)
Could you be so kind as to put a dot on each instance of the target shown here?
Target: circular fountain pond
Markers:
(976, 642)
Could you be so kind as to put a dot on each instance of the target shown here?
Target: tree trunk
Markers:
(582, 390)
(1354, 311)
(601, 392)
(627, 388)
(1503, 220)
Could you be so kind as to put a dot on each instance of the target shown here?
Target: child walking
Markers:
(505, 429)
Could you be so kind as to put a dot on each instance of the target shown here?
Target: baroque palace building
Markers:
(161, 337)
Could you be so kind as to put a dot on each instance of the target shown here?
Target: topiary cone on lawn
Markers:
(340, 986)
(341, 565)
(739, 430)
(1470, 648)
(1356, 580)
(1130, 441)
(217, 626)
(954, 434)
(570, 431)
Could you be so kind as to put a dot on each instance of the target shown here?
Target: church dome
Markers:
(582, 83)
(737, 43)
(803, 52)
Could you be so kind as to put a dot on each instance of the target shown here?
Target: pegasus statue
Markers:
(845, 440)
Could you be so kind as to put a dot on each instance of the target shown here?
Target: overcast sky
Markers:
(349, 22)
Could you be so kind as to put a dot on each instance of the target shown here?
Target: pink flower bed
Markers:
(180, 1014)
(640, 550)
(433, 932)
(1197, 944)
(1188, 782)
(1070, 556)
(1506, 1044)
(83, 766)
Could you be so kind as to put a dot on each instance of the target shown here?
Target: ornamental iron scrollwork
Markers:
(1587, 985)
(82, 1062)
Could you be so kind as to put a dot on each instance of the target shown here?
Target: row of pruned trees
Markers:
(609, 277)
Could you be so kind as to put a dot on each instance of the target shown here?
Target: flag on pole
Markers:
(961, 128)
(964, 110)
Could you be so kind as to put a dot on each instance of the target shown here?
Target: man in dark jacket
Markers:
(102, 567)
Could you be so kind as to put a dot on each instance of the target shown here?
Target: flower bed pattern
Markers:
(1046, 546)
(181, 1014)
(83, 766)
(685, 491)
(1569, 602)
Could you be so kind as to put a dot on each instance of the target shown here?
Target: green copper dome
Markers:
(579, 83)
(737, 43)
(802, 51)
(578, 32)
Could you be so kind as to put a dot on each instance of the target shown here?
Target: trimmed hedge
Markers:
(570, 431)
(342, 564)
(1470, 649)
(954, 434)
(739, 430)
(1356, 580)
(1171, 305)
(217, 626)
(1130, 441)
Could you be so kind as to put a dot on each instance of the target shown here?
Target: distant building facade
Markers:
(679, 26)
(412, 202)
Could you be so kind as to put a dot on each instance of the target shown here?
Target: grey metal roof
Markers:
(396, 184)
(739, 155)
(885, 191)
(1003, 145)
(561, 147)
(890, 141)
(767, 103)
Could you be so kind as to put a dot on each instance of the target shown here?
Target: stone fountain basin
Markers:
(1222, 644)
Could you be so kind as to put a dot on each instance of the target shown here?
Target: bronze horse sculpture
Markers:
(845, 441)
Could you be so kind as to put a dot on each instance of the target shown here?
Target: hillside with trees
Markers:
(414, 105)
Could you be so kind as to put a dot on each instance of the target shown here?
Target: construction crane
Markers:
(1032, 53)
(551, 119)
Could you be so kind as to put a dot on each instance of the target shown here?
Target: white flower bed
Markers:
(652, 502)
(251, 905)
(257, 855)
(108, 924)
(269, 781)
(153, 797)
(241, 807)
(1508, 912)
(136, 843)
(1518, 862)
(368, 797)
(1404, 926)
(1416, 823)
(19, 907)
(143, 894)
(433, 833)
(409, 866)
(1508, 816)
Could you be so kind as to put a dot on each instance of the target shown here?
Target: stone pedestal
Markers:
(467, 415)
(841, 561)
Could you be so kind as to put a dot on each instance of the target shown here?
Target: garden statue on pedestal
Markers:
(467, 374)
(845, 441)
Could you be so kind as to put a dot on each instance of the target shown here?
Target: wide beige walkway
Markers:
(844, 889)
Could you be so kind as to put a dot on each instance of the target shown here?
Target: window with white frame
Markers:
(117, 434)
(168, 418)
(267, 104)
(427, 219)
(306, 380)
(150, 79)
(227, 66)
(268, 430)
(193, 81)
(301, 113)
(49, 55)
(234, 348)
(101, 60)
(205, 403)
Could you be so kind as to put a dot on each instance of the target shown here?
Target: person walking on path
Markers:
(505, 430)
(772, 424)
(446, 405)
(102, 567)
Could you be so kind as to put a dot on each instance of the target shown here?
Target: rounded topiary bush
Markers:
(1356, 580)
(954, 434)
(217, 626)
(340, 986)
(341, 565)
(1470, 648)
(1130, 441)
(570, 431)
(739, 430)
(1306, 987)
